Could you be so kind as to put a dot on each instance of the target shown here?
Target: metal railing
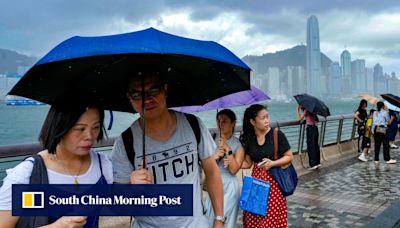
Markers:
(332, 130)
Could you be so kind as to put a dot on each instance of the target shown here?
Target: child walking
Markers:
(366, 140)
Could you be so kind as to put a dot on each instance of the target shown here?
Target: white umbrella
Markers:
(391, 107)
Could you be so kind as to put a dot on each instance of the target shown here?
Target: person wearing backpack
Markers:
(172, 153)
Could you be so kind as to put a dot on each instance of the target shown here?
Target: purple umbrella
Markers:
(236, 99)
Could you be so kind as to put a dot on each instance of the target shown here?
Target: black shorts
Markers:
(366, 143)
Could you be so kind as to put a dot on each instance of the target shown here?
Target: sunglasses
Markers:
(153, 91)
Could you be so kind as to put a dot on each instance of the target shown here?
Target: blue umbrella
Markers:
(236, 99)
(196, 71)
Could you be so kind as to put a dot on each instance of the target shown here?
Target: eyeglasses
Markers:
(137, 95)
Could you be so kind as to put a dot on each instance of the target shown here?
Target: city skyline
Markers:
(368, 29)
(349, 79)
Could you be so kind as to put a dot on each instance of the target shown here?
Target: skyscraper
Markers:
(345, 62)
(358, 79)
(335, 86)
(313, 57)
(380, 85)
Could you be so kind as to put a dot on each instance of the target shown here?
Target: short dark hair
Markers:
(380, 105)
(62, 116)
(371, 111)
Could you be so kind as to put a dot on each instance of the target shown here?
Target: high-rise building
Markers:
(393, 84)
(380, 84)
(345, 62)
(272, 82)
(334, 82)
(369, 78)
(313, 55)
(358, 80)
(296, 77)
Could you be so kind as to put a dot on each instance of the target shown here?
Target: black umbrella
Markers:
(392, 99)
(312, 104)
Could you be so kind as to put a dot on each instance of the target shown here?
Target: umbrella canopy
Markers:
(312, 104)
(196, 71)
(391, 107)
(371, 99)
(236, 99)
(392, 99)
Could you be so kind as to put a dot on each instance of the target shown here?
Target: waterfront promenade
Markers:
(347, 194)
(343, 193)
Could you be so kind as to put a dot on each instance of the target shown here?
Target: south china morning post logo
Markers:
(32, 200)
(103, 200)
(116, 200)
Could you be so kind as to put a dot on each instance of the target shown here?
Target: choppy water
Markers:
(21, 124)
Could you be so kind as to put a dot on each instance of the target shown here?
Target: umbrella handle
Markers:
(111, 121)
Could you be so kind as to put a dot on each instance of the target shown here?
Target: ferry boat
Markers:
(21, 101)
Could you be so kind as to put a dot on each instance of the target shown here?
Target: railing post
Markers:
(339, 134)
(301, 142)
(353, 133)
(322, 138)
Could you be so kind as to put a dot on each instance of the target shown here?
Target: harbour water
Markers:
(21, 124)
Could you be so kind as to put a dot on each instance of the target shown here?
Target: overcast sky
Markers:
(369, 29)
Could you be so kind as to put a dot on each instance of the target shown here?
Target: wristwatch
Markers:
(220, 218)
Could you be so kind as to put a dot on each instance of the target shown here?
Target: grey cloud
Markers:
(36, 26)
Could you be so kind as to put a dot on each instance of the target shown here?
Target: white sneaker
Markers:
(362, 158)
(391, 161)
(393, 146)
(313, 168)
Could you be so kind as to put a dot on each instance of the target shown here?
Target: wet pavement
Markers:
(348, 194)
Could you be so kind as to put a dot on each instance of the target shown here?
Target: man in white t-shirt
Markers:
(172, 154)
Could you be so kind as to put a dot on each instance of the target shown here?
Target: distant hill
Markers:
(11, 60)
(295, 56)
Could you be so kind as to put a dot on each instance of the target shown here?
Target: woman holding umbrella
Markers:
(68, 134)
(258, 142)
(229, 156)
(313, 150)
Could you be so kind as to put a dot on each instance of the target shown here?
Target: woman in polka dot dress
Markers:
(258, 141)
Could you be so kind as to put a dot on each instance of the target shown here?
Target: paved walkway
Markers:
(348, 194)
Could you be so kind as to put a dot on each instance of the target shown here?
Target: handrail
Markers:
(33, 148)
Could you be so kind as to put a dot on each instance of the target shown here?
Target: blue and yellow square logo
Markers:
(32, 199)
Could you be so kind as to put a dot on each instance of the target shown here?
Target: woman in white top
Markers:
(380, 120)
(71, 128)
(229, 157)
